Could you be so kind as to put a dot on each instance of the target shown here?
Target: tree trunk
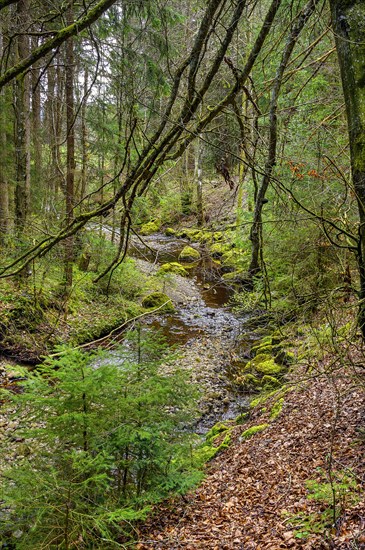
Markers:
(256, 229)
(70, 156)
(84, 144)
(36, 120)
(4, 190)
(348, 18)
(22, 125)
(199, 181)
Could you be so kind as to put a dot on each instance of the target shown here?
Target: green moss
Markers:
(242, 418)
(260, 358)
(249, 382)
(269, 382)
(233, 276)
(150, 227)
(189, 253)
(218, 249)
(26, 313)
(205, 237)
(277, 408)
(276, 338)
(207, 451)
(195, 235)
(285, 358)
(261, 399)
(262, 348)
(234, 259)
(216, 430)
(203, 454)
(268, 367)
(169, 232)
(157, 299)
(173, 267)
(253, 430)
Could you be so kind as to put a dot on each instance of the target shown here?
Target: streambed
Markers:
(211, 338)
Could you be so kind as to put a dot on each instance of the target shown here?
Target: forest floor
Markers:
(257, 495)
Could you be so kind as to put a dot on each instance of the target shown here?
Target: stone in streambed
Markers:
(173, 267)
(189, 253)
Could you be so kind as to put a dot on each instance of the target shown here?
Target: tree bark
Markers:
(36, 120)
(348, 18)
(22, 125)
(70, 156)
(256, 229)
(4, 189)
(199, 181)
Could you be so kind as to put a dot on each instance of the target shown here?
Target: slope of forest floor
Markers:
(278, 488)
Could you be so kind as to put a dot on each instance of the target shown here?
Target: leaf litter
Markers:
(254, 490)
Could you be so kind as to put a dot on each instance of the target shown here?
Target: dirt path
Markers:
(255, 488)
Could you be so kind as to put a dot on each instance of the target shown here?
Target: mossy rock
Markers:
(270, 382)
(233, 258)
(189, 253)
(277, 338)
(253, 430)
(196, 235)
(268, 367)
(260, 358)
(173, 267)
(262, 348)
(206, 237)
(285, 358)
(182, 233)
(150, 227)
(25, 313)
(249, 382)
(157, 299)
(218, 249)
(216, 430)
(217, 236)
(170, 232)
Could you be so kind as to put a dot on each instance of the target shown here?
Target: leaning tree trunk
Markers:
(348, 21)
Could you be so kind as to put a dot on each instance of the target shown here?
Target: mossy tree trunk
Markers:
(22, 124)
(199, 181)
(70, 156)
(5, 105)
(348, 21)
(298, 25)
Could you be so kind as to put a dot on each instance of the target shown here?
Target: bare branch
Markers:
(60, 37)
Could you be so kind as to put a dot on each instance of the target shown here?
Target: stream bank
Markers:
(213, 341)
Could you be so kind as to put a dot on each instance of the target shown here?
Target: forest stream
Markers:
(213, 340)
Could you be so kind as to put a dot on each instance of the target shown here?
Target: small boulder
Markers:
(268, 367)
(150, 227)
(189, 253)
(158, 299)
(173, 267)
